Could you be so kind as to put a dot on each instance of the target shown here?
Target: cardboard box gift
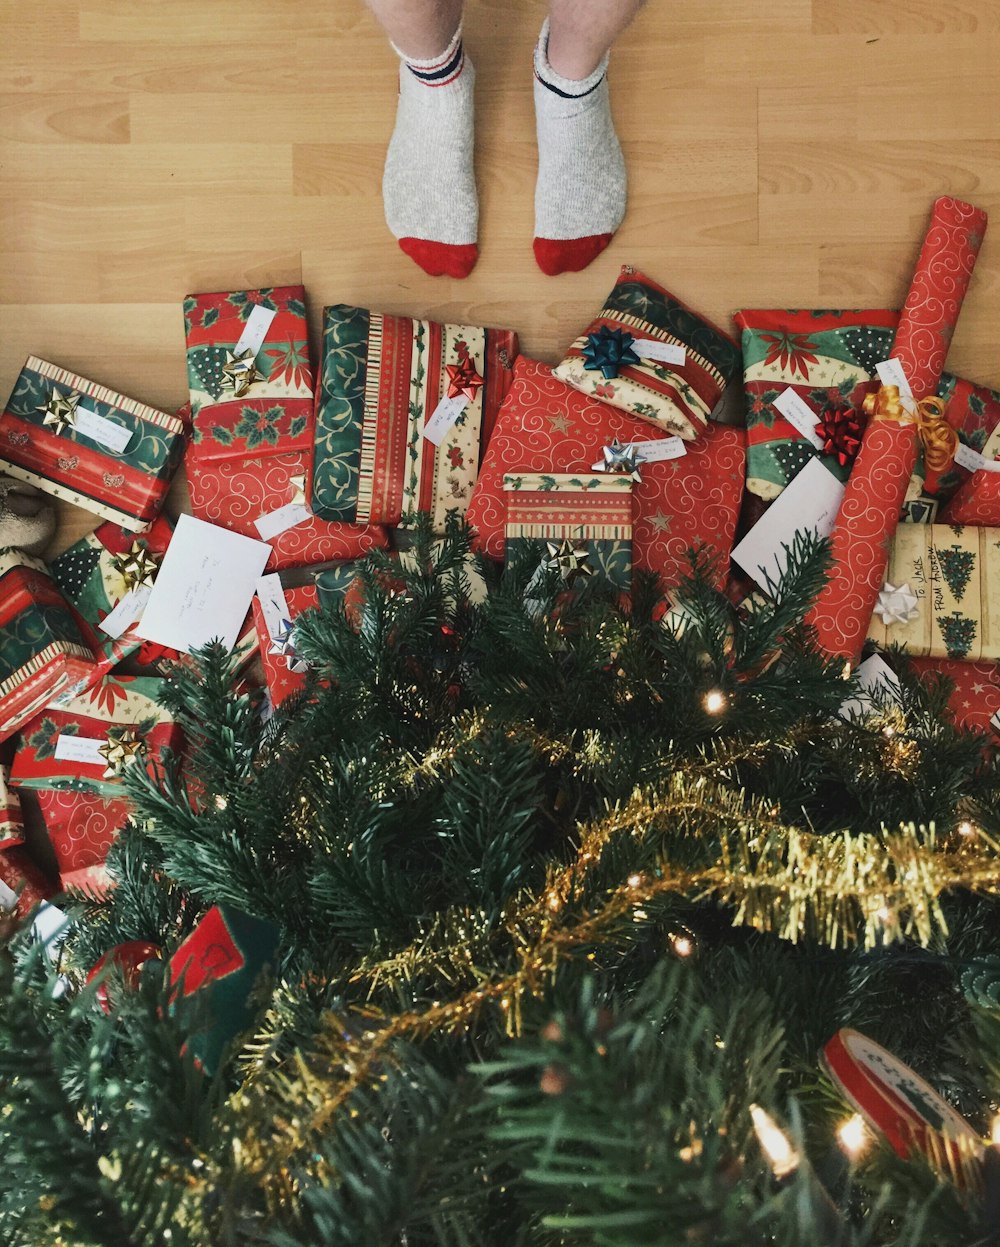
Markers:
(89, 445)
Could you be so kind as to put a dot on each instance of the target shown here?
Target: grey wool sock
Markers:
(429, 185)
(581, 189)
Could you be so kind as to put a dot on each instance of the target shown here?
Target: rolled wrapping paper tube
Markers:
(873, 498)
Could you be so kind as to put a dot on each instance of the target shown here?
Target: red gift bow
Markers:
(841, 431)
(463, 379)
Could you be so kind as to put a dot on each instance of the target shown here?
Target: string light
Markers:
(995, 1131)
(715, 701)
(681, 945)
(966, 828)
(853, 1136)
(775, 1144)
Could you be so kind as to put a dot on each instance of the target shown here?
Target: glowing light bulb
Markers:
(715, 701)
(853, 1136)
(775, 1144)
(634, 880)
(681, 945)
(995, 1131)
(965, 828)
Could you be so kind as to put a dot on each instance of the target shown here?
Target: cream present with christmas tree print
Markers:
(941, 598)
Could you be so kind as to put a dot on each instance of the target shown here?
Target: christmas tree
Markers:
(958, 632)
(566, 901)
(957, 566)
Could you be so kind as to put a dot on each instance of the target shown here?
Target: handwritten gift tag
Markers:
(445, 414)
(118, 621)
(660, 352)
(799, 415)
(84, 749)
(255, 330)
(274, 523)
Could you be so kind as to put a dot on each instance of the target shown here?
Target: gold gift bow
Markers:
(939, 438)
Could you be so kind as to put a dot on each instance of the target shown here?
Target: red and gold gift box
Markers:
(42, 649)
(89, 445)
(650, 355)
(942, 593)
(81, 828)
(383, 380)
(11, 821)
(86, 744)
(692, 500)
(22, 884)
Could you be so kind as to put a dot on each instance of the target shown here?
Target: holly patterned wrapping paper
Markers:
(11, 821)
(88, 445)
(81, 828)
(975, 697)
(265, 406)
(977, 499)
(580, 523)
(85, 745)
(874, 495)
(381, 381)
(952, 608)
(42, 648)
(95, 574)
(22, 884)
(545, 426)
(610, 359)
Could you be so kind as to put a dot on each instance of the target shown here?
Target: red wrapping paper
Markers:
(81, 827)
(975, 698)
(877, 487)
(19, 874)
(544, 426)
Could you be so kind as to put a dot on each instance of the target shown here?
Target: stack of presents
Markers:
(615, 459)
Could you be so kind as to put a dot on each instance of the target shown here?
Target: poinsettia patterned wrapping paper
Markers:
(975, 697)
(545, 426)
(381, 380)
(877, 487)
(678, 398)
(115, 704)
(11, 820)
(954, 575)
(42, 649)
(63, 458)
(91, 578)
(274, 416)
(592, 512)
(81, 828)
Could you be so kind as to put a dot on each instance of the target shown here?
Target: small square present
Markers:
(88, 445)
(11, 820)
(81, 828)
(653, 357)
(106, 577)
(42, 648)
(582, 523)
(404, 410)
(87, 744)
(941, 597)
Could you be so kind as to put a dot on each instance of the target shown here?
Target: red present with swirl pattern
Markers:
(81, 828)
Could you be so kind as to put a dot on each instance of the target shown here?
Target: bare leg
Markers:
(582, 31)
(420, 29)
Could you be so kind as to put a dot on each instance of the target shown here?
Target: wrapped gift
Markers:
(404, 410)
(250, 376)
(653, 357)
(977, 498)
(280, 599)
(224, 961)
(974, 412)
(692, 499)
(22, 884)
(88, 445)
(81, 828)
(11, 821)
(106, 577)
(582, 524)
(42, 648)
(875, 492)
(941, 596)
(975, 697)
(87, 744)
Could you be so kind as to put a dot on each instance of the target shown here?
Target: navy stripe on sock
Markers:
(569, 95)
(436, 77)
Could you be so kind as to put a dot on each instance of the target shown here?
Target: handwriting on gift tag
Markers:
(274, 523)
(973, 461)
(83, 749)
(273, 604)
(100, 429)
(117, 622)
(799, 415)
(445, 414)
(660, 352)
(890, 372)
(661, 448)
(255, 330)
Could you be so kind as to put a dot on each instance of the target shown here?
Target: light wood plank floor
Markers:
(780, 155)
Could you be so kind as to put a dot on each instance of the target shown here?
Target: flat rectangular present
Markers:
(87, 744)
(106, 577)
(977, 498)
(250, 375)
(404, 411)
(581, 522)
(81, 827)
(42, 648)
(650, 355)
(11, 819)
(941, 598)
(89, 445)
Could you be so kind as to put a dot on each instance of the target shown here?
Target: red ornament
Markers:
(130, 959)
(463, 379)
(841, 429)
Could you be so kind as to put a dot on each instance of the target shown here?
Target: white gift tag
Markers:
(662, 448)
(128, 610)
(973, 461)
(273, 604)
(445, 414)
(662, 352)
(8, 897)
(890, 372)
(255, 330)
(50, 928)
(274, 523)
(799, 415)
(99, 429)
(82, 749)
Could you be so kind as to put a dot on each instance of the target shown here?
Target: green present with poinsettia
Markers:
(88, 743)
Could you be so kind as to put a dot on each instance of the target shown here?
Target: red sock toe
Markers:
(441, 259)
(568, 255)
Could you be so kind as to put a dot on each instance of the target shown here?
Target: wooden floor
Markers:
(780, 154)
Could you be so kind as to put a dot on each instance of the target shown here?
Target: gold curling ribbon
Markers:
(939, 438)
